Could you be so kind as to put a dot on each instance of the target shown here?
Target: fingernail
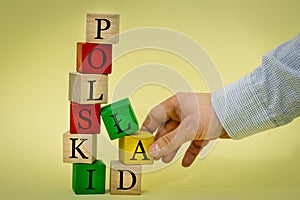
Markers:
(154, 150)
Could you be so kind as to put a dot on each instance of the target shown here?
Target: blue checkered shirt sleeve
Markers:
(266, 98)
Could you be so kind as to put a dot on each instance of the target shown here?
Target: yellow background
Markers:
(37, 46)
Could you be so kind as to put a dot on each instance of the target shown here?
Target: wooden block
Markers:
(89, 178)
(134, 148)
(125, 179)
(84, 118)
(102, 28)
(79, 148)
(119, 119)
(88, 88)
(94, 58)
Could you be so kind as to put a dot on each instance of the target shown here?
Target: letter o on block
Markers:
(94, 58)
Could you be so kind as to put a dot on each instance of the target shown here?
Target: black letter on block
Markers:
(90, 179)
(117, 124)
(85, 119)
(121, 187)
(77, 148)
(140, 144)
(103, 56)
(99, 28)
(91, 98)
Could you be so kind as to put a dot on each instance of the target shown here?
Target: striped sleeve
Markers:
(266, 98)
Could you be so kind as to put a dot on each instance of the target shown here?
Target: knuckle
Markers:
(167, 140)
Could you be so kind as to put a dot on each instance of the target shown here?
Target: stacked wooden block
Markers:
(88, 89)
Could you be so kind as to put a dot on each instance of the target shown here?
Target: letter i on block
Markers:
(134, 148)
(79, 148)
(125, 179)
(89, 178)
(119, 119)
(102, 28)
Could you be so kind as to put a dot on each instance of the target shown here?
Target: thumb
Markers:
(168, 143)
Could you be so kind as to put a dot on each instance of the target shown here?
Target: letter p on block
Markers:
(102, 28)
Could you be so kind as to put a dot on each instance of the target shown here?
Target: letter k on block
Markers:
(79, 148)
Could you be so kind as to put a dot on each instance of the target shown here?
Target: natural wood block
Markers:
(119, 119)
(89, 178)
(79, 148)
(102, 28)
(125, 179)
(88, 88)
(84, 118)
(134, 148)
(94, 58)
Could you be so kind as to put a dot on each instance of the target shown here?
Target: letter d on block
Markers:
(133, 180)
(125, 179)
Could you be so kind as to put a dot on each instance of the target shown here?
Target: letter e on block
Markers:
(102, 28)
(125, 179)
(79, 148)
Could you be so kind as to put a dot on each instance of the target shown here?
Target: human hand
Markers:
(181, 118)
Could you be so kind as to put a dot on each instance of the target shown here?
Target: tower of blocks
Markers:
(88, 90)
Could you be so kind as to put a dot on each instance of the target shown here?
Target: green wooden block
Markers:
(119, 119)
(89, 178)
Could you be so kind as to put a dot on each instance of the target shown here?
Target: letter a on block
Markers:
(79, 148)
(134, 148)
(102, 28)
(142, 151)
(125, 179)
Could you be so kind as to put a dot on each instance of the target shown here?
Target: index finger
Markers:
(161, 114)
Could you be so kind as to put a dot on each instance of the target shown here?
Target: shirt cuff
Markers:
(240, 108)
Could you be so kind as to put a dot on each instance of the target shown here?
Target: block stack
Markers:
(121, 123)
(88, 89)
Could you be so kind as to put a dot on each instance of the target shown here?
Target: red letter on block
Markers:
(94, 58)
(84, 118)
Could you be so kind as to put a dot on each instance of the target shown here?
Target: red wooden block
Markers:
(94, 58)
(84, 118)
